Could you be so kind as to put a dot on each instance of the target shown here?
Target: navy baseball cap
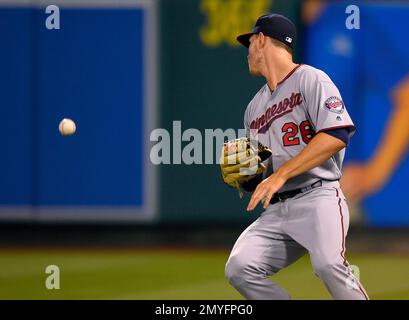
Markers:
(275, 26)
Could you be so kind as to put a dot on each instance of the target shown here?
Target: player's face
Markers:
(254, 57)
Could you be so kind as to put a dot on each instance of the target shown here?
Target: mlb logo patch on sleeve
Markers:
(334, 104)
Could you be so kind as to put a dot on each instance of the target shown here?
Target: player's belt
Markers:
(291, 193)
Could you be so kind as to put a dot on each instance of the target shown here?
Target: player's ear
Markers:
(261, 39)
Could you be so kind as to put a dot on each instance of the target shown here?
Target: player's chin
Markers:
(254, 72)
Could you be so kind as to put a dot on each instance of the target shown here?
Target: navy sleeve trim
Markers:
(339, 133)
(351, 128)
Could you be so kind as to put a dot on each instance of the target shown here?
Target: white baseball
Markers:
(67, 127)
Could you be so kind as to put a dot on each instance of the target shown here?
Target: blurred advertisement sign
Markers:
(370, 65)
(99, 69)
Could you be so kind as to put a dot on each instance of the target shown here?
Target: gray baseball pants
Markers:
(315, 222)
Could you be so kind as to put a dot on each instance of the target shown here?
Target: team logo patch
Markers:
(334, 104)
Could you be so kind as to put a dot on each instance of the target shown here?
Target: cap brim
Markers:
(244, 39)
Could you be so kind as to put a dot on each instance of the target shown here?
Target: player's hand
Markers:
(265, 190)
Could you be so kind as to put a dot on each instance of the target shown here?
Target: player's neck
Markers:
(277, 71)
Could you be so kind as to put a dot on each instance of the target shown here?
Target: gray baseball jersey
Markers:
(303, 104)
(314, 221)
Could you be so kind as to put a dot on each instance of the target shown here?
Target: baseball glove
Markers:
(241, 160)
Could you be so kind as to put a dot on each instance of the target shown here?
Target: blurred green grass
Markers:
(174, 274)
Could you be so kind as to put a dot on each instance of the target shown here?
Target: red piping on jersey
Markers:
(343, 244)
(289, 75)
(338, 127)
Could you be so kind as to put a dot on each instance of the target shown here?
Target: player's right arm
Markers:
(323, 102)
(321, 148)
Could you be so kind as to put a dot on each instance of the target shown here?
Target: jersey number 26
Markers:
(290, 130)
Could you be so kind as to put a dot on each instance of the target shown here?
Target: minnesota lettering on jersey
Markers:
(276, 111)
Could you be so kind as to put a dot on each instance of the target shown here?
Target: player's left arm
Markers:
(321, 148)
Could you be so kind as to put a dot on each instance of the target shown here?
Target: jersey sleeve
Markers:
(324, 103)
(247, 120)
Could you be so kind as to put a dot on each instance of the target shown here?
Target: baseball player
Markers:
(300, 116)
